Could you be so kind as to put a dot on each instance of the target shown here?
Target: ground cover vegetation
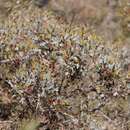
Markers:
(56, 74)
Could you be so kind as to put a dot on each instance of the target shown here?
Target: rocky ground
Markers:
(59, 73)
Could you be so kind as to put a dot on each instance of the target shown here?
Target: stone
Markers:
(40, 3)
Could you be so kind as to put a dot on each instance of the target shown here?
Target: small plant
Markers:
(29, 125)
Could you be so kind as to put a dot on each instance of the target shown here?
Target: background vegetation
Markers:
(64, 67)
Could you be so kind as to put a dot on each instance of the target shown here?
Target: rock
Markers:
(40, 3)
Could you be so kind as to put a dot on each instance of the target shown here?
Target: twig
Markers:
(1, 122)
(109, 119)
(13, 87)
(105, 116)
